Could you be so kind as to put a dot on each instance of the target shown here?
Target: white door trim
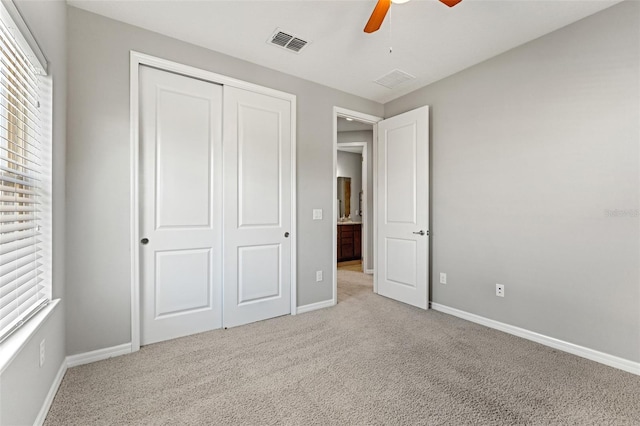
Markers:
(366, 118)
(365, 183)
(136, 60)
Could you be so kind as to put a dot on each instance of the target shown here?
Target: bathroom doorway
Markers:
(352, 191)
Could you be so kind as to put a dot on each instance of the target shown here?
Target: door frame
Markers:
(365, 183)
(369, 119)
(138, 59)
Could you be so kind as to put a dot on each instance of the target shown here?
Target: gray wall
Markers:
(24, 384)
(531, 151)
(365, 136)
(98, 271)
(350, 165)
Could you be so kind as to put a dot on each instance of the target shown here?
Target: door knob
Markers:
(420, 232)
(144, 241)
(286, 235)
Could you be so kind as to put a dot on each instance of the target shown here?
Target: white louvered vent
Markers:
(394, 78)
(287, 40)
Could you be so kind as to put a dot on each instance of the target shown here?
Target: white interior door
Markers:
(180, 194)
(257, 207)
(403, 207)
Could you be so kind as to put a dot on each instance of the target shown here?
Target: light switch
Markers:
(317, 214)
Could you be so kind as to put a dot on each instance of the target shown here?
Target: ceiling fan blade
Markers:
(377, 16)
(450, 3)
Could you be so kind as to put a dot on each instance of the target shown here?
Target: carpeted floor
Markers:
(368, 360)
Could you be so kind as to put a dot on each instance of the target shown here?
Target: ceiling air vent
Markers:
(394, 78)
(287, 40)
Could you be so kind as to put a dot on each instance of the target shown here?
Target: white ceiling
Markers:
(352, 149)
(345, 125)
(429, 40)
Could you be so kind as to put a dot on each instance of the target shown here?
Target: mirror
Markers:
(344, 197)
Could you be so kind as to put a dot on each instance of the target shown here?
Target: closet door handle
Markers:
(286, 235)
(420, 232)
(144, 241)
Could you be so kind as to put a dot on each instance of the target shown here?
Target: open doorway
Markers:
(353, 219)
(354, 206)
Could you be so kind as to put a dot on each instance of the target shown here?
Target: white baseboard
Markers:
(581, 351)
(314, 306)
(368, 271)
(42, 415)
(98, 355)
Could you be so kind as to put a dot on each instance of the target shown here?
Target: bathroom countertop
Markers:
(349, 223)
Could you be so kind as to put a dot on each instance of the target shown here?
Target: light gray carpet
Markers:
(369, 360)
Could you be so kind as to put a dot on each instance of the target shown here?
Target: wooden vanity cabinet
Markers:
(349, 242)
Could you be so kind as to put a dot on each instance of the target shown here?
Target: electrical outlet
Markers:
(500, 290)
(443, 278)
(317, 214)
(42, 347)
(318, 275)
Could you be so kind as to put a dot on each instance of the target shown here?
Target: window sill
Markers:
(12, 346)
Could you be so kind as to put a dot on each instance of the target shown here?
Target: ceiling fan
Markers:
(381, 9)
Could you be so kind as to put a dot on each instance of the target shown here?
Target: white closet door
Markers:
(403, 207)
(180, 194)
(257, 207)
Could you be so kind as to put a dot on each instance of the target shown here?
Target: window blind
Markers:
(22, 277)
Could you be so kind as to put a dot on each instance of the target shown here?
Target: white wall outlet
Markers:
(443, 278)
(500, 290)
(318, 275)
(42, 347)
(317, 214)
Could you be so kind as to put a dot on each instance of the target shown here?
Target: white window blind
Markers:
(22, 278)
